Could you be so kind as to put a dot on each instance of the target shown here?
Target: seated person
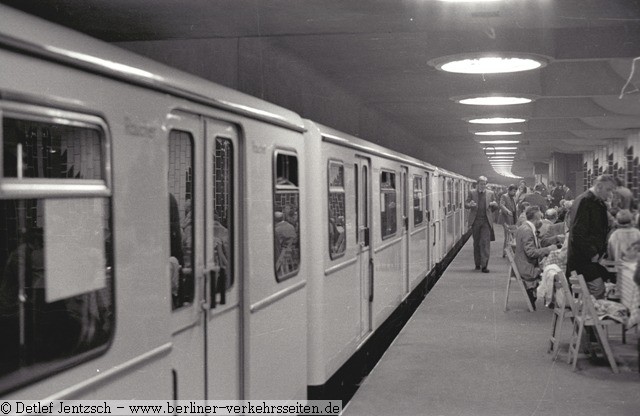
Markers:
(551, 232)
(528, 251)
(620, 245)
(522, 218)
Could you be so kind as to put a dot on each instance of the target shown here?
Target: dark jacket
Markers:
(588, 232)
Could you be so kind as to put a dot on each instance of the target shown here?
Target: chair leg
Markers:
(556, 350)
(506, 296)
(604, 343)
(552, 338)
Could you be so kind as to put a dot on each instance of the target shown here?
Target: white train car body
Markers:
(97, 137)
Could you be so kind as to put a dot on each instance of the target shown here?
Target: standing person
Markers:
(557, 195)
(520, 194)
(568, 194)
(588, 234)
(536, 198)
(481, 203)
(507, 216)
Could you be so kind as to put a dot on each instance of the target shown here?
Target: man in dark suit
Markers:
(536, 198)
(528, 251)
(588, 234)
(482, 203)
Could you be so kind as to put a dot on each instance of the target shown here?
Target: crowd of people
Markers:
(550, 231)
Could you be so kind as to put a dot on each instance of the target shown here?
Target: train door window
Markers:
(286, 206)
(180, 184)
(449, 195)
(388, 219)
(337, 232)
(418, 208)
(355, 171)
(56, 281)
(428, 197)
(457, 194)
(223, 226)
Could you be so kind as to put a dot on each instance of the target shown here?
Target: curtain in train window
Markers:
(337, 226)
(180, 184)
(56, 283)
(388, 219)
(418, 208)
(223, 216)
(286, 210)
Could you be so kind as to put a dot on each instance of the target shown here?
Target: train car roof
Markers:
(335, 136)
(37, 37)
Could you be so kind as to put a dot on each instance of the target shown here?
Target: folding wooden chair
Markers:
(564, 307)
(586, 316)
(515, 274)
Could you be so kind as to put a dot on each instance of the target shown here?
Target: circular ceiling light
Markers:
(500, 142)
(497, 133)
(497, 120)
(489, 62)
(495, 100)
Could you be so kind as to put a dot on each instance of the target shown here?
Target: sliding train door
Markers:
(186, 274)
(365, 255)
(224, 322)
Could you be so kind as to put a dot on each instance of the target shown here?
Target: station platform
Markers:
(461, 354)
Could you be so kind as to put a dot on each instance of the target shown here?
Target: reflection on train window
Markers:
(418, 209)
(388, 218)
(337, 231)
(286, 207)
(56, 283)
(180, 184)
(48, 150)
(223, 218)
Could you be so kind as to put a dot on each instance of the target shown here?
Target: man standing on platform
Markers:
(482, 203)
(588, 234)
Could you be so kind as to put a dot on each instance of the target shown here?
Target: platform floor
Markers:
(461, 354)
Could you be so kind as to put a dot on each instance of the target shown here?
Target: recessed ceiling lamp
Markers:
(469, 1)
(497, 120)
(500, 142)
(490, 65)
(495, 100)
(501, 148)
(497, 133)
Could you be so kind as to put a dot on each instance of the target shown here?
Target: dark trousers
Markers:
(481, 243)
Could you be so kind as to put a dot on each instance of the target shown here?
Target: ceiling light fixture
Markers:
(490, 65)
(497, 120)
(495, 100)
(500, 142)
(501, 148)
(497, 133)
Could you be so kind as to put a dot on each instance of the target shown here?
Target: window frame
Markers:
(422, 203)
(285, 188)
(384, 191)
(336, 190)
(21, 188)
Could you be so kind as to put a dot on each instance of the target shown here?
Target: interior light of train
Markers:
(500, 142)
(497, 120)
(497, 133)
(490, 65)
(495, 100)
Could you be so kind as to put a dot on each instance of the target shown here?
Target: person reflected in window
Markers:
(286, 236)
(222, 254)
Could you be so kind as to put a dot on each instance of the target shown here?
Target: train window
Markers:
(223, 215)
(428, 197)
(56, 282)
(418, 208)
(286, 206)
(450, 195)
(180, 184)
(337, 231)
(388, 220)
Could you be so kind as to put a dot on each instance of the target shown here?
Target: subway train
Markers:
(164, 237)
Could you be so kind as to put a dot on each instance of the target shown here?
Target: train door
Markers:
(404, 198)
(429, 217)
(185, 185)
(365, 257)
(224, 326)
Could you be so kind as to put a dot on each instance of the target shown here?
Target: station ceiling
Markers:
(381, 51)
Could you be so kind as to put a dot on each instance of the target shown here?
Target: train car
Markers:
(374, 230)
(141, 257)
(163, 239)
